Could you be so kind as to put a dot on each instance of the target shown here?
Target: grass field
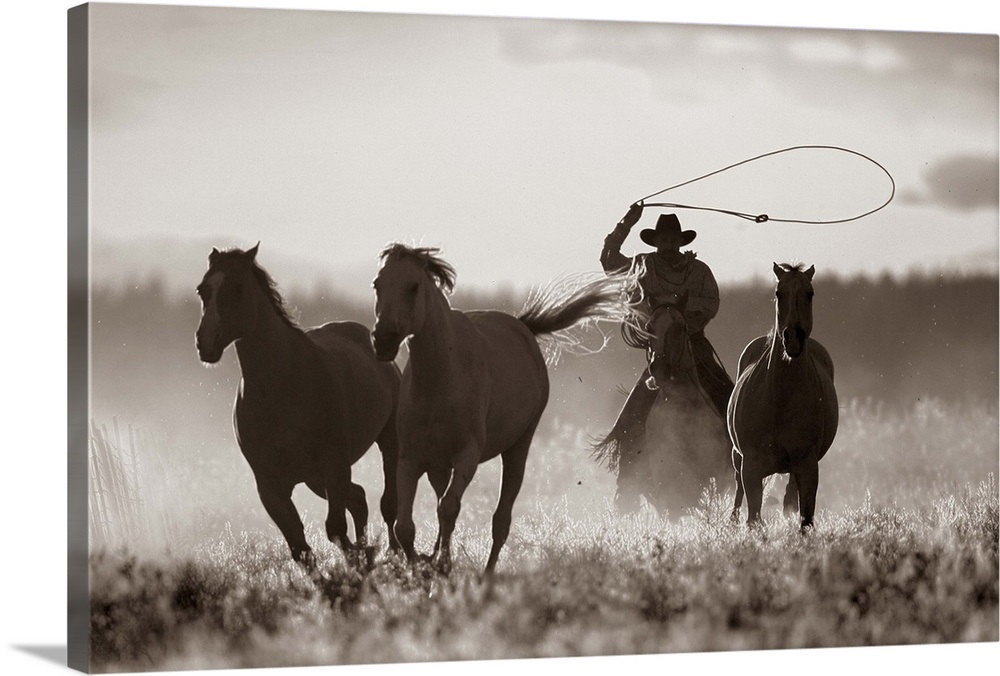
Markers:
(869, 576)
(904, 552)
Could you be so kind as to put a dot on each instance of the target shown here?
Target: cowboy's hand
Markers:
(631, 217)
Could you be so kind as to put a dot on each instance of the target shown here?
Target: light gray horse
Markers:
(783, 414)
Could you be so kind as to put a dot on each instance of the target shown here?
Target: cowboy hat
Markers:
(667, 224)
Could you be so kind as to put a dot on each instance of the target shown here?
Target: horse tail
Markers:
(553, 309)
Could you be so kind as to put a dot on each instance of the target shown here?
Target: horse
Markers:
(783, 415)
(669, 442)
(310, 403)
(474, 387)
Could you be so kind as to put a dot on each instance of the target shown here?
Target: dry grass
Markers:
(869, 576)
(904, 552)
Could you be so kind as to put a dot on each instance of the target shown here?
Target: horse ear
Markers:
(215, 254)
(252, 253)
(777, 270)
(810, 272)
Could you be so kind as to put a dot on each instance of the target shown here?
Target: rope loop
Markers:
(764, 218)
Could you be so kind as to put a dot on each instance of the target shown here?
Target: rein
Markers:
(764, 218)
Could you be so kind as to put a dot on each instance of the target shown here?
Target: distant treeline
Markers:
(892, 341)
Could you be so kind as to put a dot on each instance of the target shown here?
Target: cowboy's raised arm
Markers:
(612, 259)
(703, 297)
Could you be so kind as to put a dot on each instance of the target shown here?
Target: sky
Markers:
(514, 145)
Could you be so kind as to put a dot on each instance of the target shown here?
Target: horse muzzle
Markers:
(209, 353)
(792, 341)
(386, 344)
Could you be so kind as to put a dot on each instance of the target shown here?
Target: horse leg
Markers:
(439, 478)
(753, 479)
(407, 475)
(514, 459)
(388, 445)
(627, 484)
(278, 504)
(737, 470)
(357, 505)
(465, 463)
(790, 504)
(337, 479)
(807, 478)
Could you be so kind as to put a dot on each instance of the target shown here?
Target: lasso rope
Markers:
(763, 218)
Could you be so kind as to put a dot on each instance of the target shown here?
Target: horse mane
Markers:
(792, 267)
(440, 270)
(264, 281)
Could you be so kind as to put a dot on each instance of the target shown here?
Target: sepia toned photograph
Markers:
(417, 338)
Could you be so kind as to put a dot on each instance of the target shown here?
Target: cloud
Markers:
(835, 51)
(900, 62)
(960, 182)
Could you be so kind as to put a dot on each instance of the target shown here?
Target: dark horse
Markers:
(783, 413)
(474, 387)
(310, 404)
(668, 442)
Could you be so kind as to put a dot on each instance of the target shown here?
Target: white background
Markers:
(33, 375)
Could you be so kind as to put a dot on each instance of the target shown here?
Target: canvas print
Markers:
(408, 338)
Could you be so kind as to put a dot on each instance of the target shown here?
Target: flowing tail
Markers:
(552, 310)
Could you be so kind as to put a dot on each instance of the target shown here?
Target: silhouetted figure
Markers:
(311, 401)
(784, 415)
(474, 387)
(664, 279)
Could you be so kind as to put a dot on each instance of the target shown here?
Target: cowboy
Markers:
(666, 275)
(663, 277)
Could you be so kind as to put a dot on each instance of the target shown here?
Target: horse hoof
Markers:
(306, 559)
(442, 564)
(361, 557)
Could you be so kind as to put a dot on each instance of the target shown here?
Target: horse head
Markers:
(793, 297)
(230, 300)
(403, 287)
(670, 344)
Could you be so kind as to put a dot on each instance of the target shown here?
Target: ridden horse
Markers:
(783, 413)
(668, 447)
(310, 404)
(474, 387)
